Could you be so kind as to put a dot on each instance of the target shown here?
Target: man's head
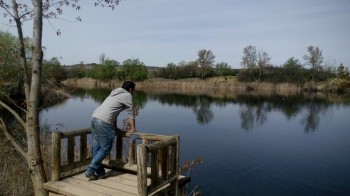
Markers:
(129, 86)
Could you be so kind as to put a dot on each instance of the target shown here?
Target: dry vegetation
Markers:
(14, 176)
(219, 86)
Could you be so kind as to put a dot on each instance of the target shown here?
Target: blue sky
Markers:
(158, 32)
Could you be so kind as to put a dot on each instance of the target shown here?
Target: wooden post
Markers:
(71, 146)
(142, 169)
(154, 167)
(83, 147)
(119, 150)
(131, 153)
(56, 156)
(177, 155)
(164, 163)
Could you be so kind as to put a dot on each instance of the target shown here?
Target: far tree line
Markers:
(255, 66)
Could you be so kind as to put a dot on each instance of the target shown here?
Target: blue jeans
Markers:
(102, 141)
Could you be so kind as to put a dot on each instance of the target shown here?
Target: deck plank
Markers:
(102, 187)
(116, 183)
(69, 189)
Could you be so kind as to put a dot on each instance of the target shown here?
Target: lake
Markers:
(248, 144)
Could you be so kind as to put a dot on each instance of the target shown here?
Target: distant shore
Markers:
(220, 85)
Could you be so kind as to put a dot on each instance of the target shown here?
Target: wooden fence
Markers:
(149, 156)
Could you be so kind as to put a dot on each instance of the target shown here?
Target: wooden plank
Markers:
(161, 144)
(103, 186)
(66, 134)
(55, 156)
(69, 189)
(126, 180)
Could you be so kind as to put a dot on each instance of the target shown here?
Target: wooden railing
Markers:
(157, 157)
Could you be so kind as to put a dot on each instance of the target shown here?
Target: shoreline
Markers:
(216, 85)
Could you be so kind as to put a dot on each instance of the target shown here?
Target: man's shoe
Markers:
(91, 176)
(103, 176)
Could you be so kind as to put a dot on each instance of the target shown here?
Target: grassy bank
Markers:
(221, 86)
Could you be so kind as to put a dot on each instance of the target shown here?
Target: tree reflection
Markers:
(254, 109)
(312, 118)
(253, 112)
(203, 111)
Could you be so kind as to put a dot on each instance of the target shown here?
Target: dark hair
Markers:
(127, 85)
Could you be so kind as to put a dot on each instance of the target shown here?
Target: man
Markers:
(103, 125)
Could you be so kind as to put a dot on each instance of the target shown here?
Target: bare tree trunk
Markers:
(35, 161)
(21, 48)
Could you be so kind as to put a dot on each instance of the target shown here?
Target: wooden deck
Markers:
(155, 172)
(116, 183)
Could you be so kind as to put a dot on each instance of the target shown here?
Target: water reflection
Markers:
(254, 109)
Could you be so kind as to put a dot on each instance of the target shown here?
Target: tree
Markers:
(292, 63)
(343, 72)
(9, 68)
(19, 13)
(314, 59)
(102, 58)
(205, 61)
(263, 61)
(133, 69)
(249, 59)
(223, 69)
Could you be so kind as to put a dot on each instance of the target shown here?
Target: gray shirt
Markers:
(116, 102)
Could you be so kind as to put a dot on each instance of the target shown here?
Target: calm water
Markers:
(250, 145)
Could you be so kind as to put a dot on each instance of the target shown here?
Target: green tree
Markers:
(133, 69)
(102, 72)
(9, 63)
(205, 61)
(223, 69)
(52, 70)
(314, 58)
(292, 63)
(343, 72)
(111, 62)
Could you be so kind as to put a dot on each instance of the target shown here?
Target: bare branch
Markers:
(14, 103)
(14, 114)
(12, 139)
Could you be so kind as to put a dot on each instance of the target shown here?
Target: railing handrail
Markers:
(164, 157)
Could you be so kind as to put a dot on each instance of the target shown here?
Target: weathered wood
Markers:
(106, 187)
(161, 144)
(154, 168)
(83, 147)
(69, 189)
(175, 183)
(162, 184)
(66, 134)
(161, 152)
(142, 169)
(131, 157)
(56, 156)
(119, 148)
(70, 150)
(148, 136)
(75, 165)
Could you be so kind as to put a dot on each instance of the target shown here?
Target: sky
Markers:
(158, 32)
